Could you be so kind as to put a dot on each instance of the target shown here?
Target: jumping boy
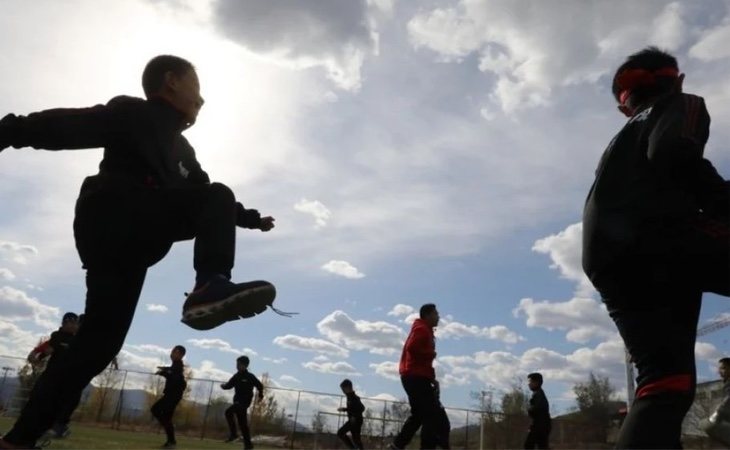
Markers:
(243, 383)
(655, 237)
(150, 192)
(175, 385)
(354, 410)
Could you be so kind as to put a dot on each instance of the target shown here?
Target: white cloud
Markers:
(220, 345)
(707, 352)
(149, 348)
(529, 59)
(565, 250)
(320, 358)
(17, 305)
(386, 369)
(316, 209)
(289, 379)
(6, 274)
(338, 368)
(18, 253)
(584, 318)
(274, 360)
(209, 371)
(343, 268)
(153, 307)
(450, 329)
(330, 34)
(16, 341)
(308, 344)
(401, 310)
(377, 337)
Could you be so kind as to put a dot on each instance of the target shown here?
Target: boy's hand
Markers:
(267, 223)
(223, 385)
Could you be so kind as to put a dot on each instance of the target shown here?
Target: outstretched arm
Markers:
(63, 128)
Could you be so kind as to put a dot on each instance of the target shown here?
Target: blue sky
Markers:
(411, 152)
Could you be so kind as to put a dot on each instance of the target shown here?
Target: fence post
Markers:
(294, 425)
(382, 433)
(207, 408)
(120, 402)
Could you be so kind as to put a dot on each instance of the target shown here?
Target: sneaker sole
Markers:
(238, 306)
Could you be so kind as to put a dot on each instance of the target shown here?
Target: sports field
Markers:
(88, 437)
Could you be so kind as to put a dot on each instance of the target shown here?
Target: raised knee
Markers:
(223, 192)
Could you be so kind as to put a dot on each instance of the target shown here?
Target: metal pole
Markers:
(481, 424)
(630, 388)
(382, 434)
(120, 403)
(5, 375)
(294, 425)
(207, 408)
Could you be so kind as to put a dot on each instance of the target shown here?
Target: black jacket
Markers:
(355, 408)
(59, 341)
(651, 180)
(175, 383)
(142, 141)
(539, 411)
(243, 383)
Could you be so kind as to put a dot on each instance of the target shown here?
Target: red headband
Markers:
(630, 79)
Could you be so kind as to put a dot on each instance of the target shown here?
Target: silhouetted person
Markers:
(243, 382)
(354, 410)
(175, 385)
(539, 413)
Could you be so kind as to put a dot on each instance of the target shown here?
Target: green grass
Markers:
(91, 437)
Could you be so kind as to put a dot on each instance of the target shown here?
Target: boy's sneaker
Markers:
(220, 301)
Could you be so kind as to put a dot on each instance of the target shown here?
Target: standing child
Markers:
(354, 410)
(243, 383)
(175, 385)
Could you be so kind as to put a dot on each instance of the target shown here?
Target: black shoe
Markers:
(220, 301)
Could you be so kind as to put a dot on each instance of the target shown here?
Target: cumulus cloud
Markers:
(528, 59)
(565, 251)
(315, 209)
(6, 274)
(149, 348)
(451, 329)
(401, 310)
(377, 337)
(343, 269)
(17, 305)
(386, 369)
(329, 34)
(15, 341)
(274, 360)
(220, 345)
(338, 368)
(18, 253)
(584, 318)
(308, 344)
(289, 379)
(154, 307)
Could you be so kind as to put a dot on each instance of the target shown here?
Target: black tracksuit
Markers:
(655, 237)
(150, 192)
(243, 382)
(164, 408)
(539, 412)
(355, 410)
(59, 341)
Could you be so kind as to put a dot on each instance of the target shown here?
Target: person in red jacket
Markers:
(419, 380)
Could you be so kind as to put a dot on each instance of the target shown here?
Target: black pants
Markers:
(163, 410)
(443, 430)
(654, 299)
(424, 413)
(537, 438)
(238, 412)
(67, 410)
(353, 426)
(119, 234)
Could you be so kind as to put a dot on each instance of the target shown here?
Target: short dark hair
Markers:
(536, 377)
(650, 59)
(346, 383)
(181, 349)
(243, 360)
(69, 317)
(154, 72)
(426, 309)
(724, 361)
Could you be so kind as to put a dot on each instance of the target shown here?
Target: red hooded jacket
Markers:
(419, 352)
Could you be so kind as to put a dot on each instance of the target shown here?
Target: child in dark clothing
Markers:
(175, 385)
(656, 235)
(354, 410)
(149, 193)
(243, 382)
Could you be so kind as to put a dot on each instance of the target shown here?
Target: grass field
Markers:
(89, 437)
